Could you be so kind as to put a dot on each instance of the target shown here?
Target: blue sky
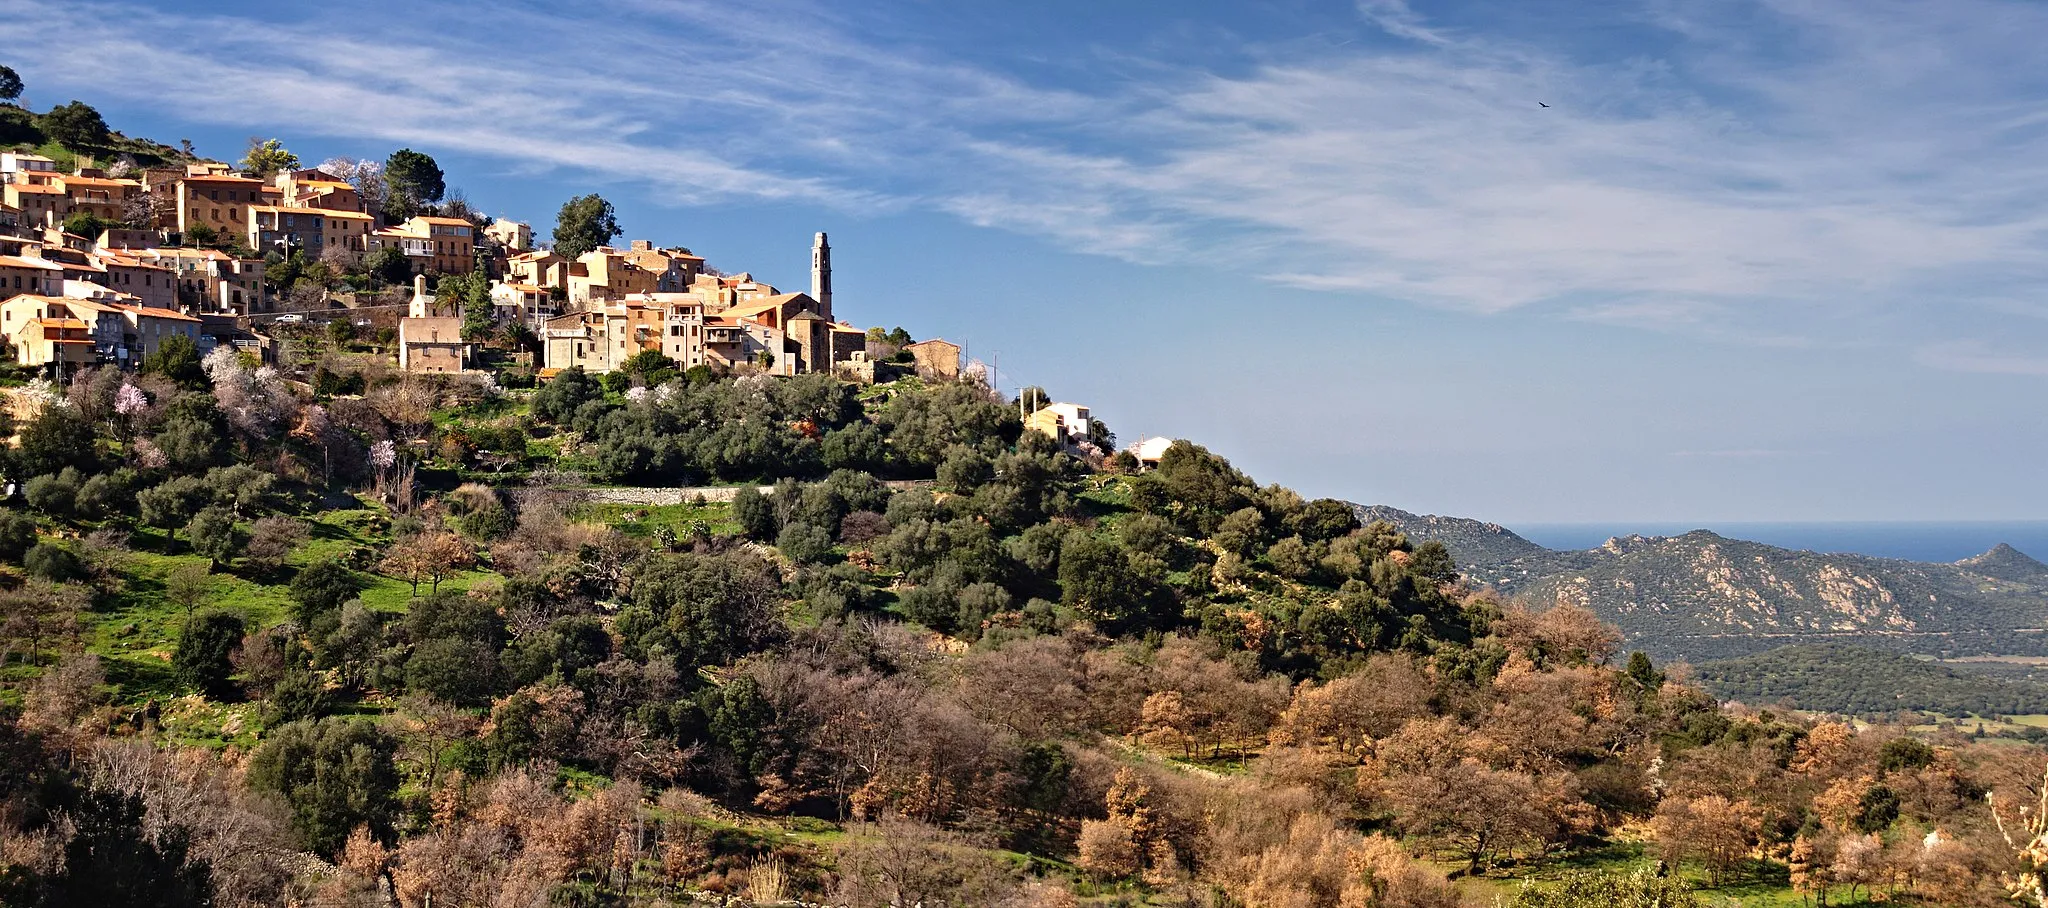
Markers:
(1772, 260)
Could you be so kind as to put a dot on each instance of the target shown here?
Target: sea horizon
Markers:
(1912, 540)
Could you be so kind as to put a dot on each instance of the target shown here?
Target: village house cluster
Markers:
(68, 300)
(608, 305)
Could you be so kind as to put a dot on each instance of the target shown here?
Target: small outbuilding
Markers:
(936, 359)
(1150, 450)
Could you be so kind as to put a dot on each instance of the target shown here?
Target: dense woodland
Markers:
(346, 642)
(1851, 680)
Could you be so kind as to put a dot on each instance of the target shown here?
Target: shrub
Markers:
(205, 650)
(56, 495)
(482, 515)
(106, 494)
(1904, 755)
(460, 671)
(76, 126)
(54, 440)
(320, 590)
(755, 515)
(1292, 558)
(212, 533)
(862, 526)
(53, 562)
(562, 650)
(171, 504)
(965, 469)
(300, 694)
(17, 534)
(804, 543)
(934, 605)
(976, 603)
(486, 524)
(335, 775)
(1323, 519)
(835, 592)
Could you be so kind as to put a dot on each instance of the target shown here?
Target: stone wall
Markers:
(658, 496)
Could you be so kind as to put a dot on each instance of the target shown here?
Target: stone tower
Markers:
(821, 275)
(422, 301)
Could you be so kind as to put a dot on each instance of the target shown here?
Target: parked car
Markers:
(289, 318)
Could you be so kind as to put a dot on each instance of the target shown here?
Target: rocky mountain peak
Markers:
(2004, 562)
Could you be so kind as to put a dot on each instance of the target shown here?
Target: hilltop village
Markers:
(101, 263)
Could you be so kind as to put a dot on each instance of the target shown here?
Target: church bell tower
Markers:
(821, 275)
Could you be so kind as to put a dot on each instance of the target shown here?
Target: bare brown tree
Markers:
(1716, 830)
(909, 863)
(245, 841)
(429, 557)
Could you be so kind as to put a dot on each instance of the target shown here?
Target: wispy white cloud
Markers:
(423, 87)
(1433, 175)
(1778, 170)
(1396, 18)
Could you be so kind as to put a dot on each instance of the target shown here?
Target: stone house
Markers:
(936, 359)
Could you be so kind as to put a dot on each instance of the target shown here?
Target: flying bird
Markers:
(1541, 104)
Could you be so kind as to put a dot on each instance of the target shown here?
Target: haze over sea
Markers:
(1912, 540)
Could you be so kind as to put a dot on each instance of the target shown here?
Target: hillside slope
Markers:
(1705, 596)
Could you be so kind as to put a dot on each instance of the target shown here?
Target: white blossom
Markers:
(222, 364)
(383, 455)
(130, 400)
(256, 402)
(44, 394)
(487, 385)
(636, 394)
(976, 372)
(148, 456)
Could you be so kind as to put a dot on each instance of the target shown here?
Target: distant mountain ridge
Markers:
(1703, 596)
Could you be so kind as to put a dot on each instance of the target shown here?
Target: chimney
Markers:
(643, 245)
